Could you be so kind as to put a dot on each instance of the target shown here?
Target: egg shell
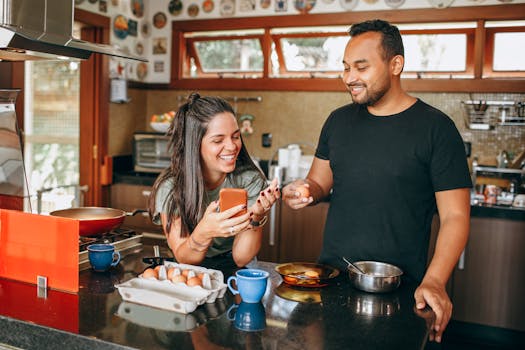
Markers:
(304, 192)
(178, 279)
(194, 281)
(149, 273)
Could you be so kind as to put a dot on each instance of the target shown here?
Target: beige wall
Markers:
(293, 117)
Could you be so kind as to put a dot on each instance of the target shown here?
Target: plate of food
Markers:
(304, 274)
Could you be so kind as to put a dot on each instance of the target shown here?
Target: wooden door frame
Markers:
(94, 111)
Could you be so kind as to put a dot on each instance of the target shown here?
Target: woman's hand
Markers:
(221, 224)
(292, 197)
(264, 202)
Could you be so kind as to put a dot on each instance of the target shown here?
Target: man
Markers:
(388, 161)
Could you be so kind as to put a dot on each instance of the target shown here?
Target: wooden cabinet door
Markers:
(131, 197)
(301, 233)
(270, 242)
(490, 289)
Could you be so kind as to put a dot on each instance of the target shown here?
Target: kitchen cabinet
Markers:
(130, 197)
(489, 288)
(298, 234)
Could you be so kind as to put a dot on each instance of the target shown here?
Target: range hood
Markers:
(42, 29)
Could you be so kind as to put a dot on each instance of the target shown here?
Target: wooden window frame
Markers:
(478, 83)
(488, 62)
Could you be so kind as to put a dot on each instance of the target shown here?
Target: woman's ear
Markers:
(396, 64)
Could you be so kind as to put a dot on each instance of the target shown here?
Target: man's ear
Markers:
(396, 64)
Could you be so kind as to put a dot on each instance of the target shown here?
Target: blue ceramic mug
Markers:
(102, 256)
(249, 317)
(250, 283)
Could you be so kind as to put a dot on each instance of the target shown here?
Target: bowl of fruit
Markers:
(161, 122)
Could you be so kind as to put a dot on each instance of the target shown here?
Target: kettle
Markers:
(279, 172)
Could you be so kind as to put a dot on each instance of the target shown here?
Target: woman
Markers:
(207, 155)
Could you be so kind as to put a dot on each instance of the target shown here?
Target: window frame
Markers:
(488, 62)
(475, 64)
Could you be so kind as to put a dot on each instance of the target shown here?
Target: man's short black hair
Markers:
(392, 42)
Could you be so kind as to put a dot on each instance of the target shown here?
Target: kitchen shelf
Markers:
(486, 115)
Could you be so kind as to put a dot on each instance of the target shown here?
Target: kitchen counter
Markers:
(332, 317)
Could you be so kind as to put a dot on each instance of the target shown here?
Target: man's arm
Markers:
(454, 217)
(319, 181)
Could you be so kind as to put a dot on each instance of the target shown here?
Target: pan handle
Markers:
(137, 211)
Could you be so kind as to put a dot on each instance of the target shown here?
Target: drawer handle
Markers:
(146, 193)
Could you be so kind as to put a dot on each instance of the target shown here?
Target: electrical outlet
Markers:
(267, 140)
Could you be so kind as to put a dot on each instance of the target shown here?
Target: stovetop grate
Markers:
(112, 236)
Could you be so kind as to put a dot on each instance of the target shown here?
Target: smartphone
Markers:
(231, 197)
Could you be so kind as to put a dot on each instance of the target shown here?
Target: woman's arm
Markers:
(192, 249)
(248, 242)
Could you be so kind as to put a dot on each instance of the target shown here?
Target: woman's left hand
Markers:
(264, 202)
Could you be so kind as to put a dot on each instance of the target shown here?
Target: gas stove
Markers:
(126, 241)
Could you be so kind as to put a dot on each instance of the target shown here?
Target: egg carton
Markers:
(163, 294)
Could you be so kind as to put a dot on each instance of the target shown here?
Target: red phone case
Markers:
(231, 197)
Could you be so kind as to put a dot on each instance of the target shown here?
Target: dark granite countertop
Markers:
(334, 317)
(497, 211)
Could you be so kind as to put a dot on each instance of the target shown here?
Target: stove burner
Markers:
(112, 236)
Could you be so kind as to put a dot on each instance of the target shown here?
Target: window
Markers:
(225, 54)
(503, 38)
(304, 53)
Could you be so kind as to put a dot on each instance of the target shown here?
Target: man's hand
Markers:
(433, 294)
(292, 197)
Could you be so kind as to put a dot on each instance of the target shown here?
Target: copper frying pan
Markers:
(95, 220)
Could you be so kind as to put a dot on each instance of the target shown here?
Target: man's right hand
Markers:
(292, 196)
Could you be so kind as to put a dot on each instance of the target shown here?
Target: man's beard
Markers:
(371, 96)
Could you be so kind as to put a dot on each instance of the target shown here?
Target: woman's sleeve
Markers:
(161, 201)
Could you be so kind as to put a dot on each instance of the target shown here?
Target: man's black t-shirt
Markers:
(386, 170)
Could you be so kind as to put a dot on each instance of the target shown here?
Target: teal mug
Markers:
(249, 317)
(102, 256)
(250, 284)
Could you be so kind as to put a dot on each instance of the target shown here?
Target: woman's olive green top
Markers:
(250, 180)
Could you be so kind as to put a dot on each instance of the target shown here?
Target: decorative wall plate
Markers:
(120, 27)
(137, 7)
(145, 29)
(246, 5)
(265, 3)
(175, 7)
(370, 2)
(304, 6)
(139, 48)
(159, 20)
(348, 4)
(394, 3)
(142, 70)
(440, 4)
(208, 6)
(328, 1)
(193, 10)
(227, 7)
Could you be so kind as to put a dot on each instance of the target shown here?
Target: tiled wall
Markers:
(297, 117)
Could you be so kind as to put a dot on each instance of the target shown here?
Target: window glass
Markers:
(505, 43)
(236, 55)
(313, 53)
(435, 52)
(52, 129)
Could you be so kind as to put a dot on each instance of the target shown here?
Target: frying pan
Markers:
(95, 220)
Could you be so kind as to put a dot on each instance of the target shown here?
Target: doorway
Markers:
(51, 123)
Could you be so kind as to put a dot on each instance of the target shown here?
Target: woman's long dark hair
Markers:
(186, 197)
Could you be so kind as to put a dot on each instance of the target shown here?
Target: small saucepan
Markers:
(95, 220)
(375, 277)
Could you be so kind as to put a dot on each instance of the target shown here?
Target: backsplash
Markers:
(297, 117)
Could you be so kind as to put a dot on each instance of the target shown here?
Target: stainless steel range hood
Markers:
(42, 29)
